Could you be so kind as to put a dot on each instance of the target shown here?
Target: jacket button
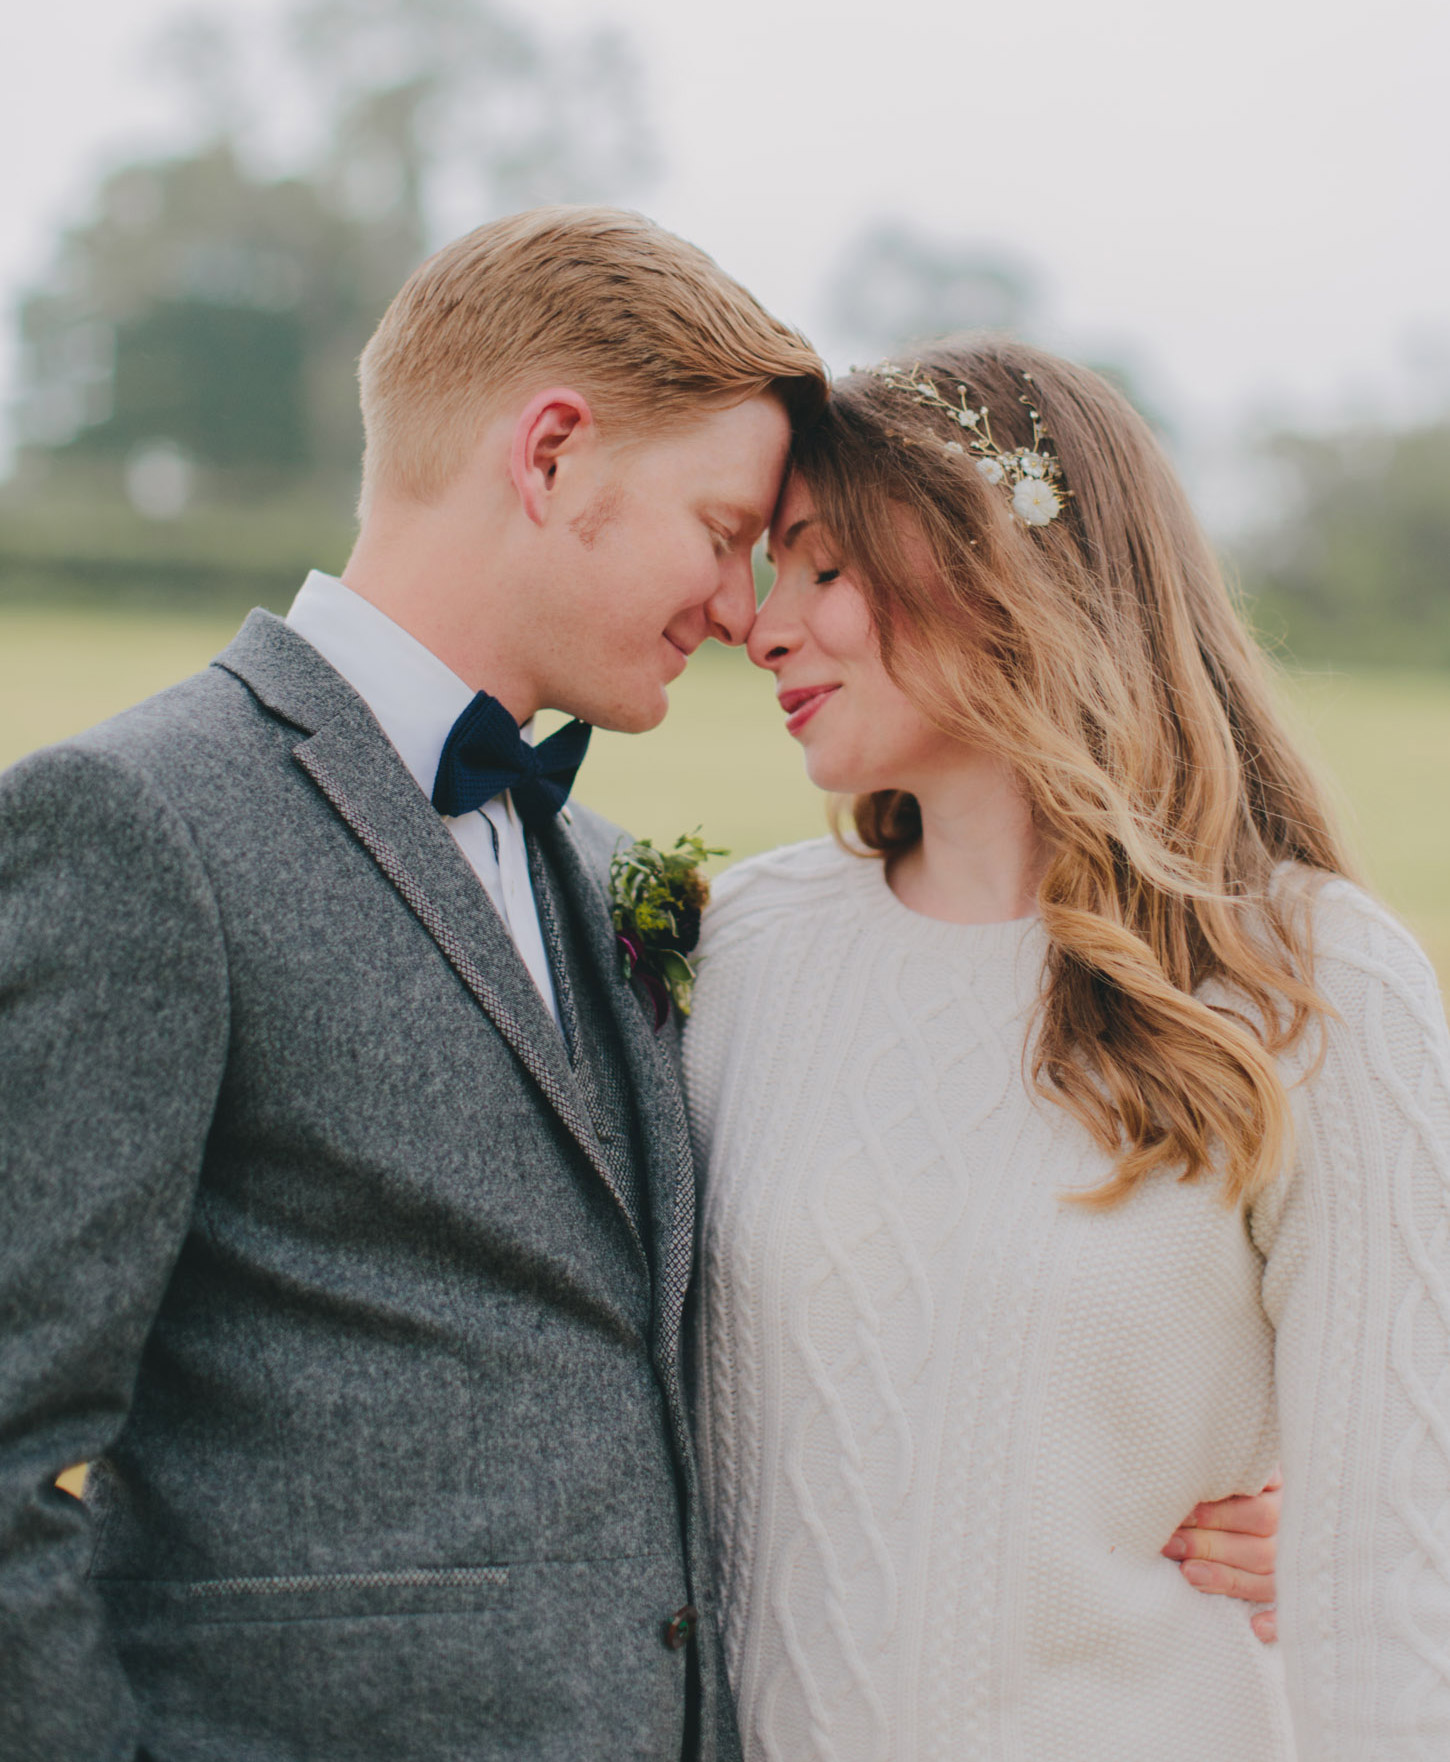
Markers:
(680, 1628)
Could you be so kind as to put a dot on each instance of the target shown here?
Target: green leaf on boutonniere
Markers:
(657, 897)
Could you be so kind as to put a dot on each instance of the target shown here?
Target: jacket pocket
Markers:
(306, 1596)
(566, 1659)
(447, 1578)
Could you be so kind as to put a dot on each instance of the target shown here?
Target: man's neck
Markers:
(411, 570)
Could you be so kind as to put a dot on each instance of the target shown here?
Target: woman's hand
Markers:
(1229, 1548)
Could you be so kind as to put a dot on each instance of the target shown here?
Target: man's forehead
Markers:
(747, 441)
(744, 497)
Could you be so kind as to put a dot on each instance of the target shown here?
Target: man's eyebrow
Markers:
(738, 513)
(792, 533)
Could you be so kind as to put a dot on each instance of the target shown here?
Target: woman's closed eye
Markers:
(825, 576)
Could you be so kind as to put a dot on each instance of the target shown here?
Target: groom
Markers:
(346, 1206)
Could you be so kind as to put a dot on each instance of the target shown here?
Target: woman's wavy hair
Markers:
(1102, 657)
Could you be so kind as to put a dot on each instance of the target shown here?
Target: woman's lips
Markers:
(800, 705)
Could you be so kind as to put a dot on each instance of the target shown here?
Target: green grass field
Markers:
(722, 762)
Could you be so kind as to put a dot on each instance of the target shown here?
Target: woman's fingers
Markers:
(1266, 1625)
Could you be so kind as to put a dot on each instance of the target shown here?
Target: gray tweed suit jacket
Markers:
(357, 1282)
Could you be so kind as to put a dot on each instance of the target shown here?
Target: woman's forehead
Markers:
(793, 512)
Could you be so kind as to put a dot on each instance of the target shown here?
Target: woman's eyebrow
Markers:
(792, 533)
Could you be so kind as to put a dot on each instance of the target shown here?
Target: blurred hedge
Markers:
(214, 558)
(1354, 567)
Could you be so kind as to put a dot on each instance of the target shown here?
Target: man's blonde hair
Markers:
(647, 327)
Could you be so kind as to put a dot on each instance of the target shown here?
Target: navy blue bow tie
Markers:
(485, 754)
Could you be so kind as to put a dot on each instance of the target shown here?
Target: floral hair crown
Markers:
(1032, 474)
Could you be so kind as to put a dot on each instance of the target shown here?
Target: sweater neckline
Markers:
(1006, 937)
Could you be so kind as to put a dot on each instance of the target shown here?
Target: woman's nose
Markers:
(771, 639)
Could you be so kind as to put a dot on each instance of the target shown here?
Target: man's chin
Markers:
(637, 718)
(637, 714)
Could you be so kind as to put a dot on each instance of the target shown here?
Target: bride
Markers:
(1077, 1135)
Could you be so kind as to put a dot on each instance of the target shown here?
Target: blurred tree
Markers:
(217, 315)
(457, 105)
(203, 56)
(893, 286)
(193, 309)
(1356, 566)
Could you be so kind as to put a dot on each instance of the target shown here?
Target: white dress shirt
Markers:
(416, 699)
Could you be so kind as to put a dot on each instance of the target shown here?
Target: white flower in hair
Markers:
(1035, 503)
(1028, 473)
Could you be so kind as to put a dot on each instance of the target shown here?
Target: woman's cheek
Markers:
(845, 627)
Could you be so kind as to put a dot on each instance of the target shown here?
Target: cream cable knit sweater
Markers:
(946, 1422)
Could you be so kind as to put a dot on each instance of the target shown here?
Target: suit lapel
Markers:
(358, 773)
(653, 1076)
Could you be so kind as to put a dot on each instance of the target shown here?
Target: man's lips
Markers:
(802, 703)
(680, 650)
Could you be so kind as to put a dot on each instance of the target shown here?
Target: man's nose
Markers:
(731, 608)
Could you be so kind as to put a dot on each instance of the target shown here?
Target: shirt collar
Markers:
(414, 697)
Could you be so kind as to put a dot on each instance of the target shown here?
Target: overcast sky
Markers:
(1249, 199)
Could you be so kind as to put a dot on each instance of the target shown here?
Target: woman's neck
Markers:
(981, 857)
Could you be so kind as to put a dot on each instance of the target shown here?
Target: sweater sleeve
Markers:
(113, 1026)
(1357, 1285)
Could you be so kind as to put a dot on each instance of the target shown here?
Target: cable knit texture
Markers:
(947, 1422)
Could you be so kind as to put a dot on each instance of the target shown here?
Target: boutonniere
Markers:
(658, 896)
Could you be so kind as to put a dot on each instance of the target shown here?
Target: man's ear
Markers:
(553, 428)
